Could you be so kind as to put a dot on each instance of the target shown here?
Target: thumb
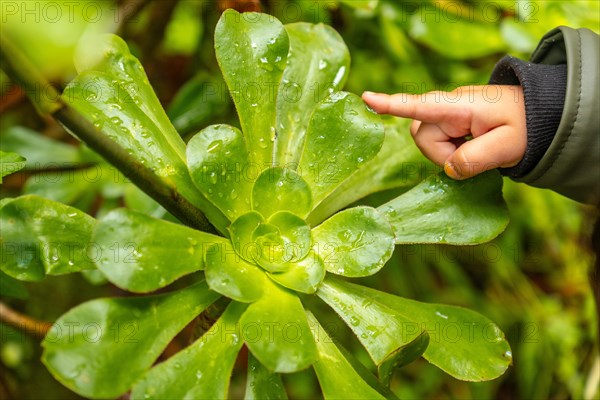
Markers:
(499, 147)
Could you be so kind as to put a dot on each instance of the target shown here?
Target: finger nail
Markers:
(451, 171)
(368, 93)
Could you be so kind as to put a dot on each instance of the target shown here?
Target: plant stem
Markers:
(23, 322)
(48, 101)
(43, 95)
(128, 10)
(143, 177)
(160, 15)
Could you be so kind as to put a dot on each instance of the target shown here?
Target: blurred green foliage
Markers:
(532, 280)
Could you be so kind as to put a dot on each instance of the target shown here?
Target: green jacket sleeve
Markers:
(571, 165)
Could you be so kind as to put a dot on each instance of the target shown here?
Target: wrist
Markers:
(544, 88)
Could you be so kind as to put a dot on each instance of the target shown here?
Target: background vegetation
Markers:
(532, 280)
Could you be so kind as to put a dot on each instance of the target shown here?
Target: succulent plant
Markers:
(281, 193)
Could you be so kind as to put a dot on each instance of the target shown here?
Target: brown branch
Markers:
(240, 5)
(160, 15)
(23, 322)
(14, 95)
(128, 10)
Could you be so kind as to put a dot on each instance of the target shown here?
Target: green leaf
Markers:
(337, 376)
(342, 135)
(100, 348)
(399, 164)
(277, 333)
(252, 51)
(281, 189)
(281, 242)
(49, 42)
(94, 276)
(77, 187)
(137, 200)
(241, 232)
(41, 151)
(115, 112)
(141, 254)
(113, 92)
(455, 37)
(10, 287)
(402, 356)
(303, 276)
(443, 210)
(318, 62)
(276, 244)
(362, 5)
(10, 163)
(197, 102)
(294, 233)
(5, 200)
(219, 163)
(462, 342)
(262, 384)
(518, 36)
(110, 57)
(201, 371)
(354, 242)
(41, 237)
(227, 273)
(394, 23)
(66, 187)
(184, 31)
(271, 246)
(468, 345)
(380, 329)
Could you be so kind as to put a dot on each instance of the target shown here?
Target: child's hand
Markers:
(493, 115)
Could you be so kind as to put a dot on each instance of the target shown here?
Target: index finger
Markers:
(428, 107)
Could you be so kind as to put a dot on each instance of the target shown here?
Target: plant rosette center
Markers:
(275, 244)
(273, 239)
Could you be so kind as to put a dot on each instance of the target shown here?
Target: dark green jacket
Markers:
(571, 165)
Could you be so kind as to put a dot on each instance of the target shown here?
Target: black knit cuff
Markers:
(544, 88)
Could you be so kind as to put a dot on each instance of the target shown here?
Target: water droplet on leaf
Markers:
(215, 146)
